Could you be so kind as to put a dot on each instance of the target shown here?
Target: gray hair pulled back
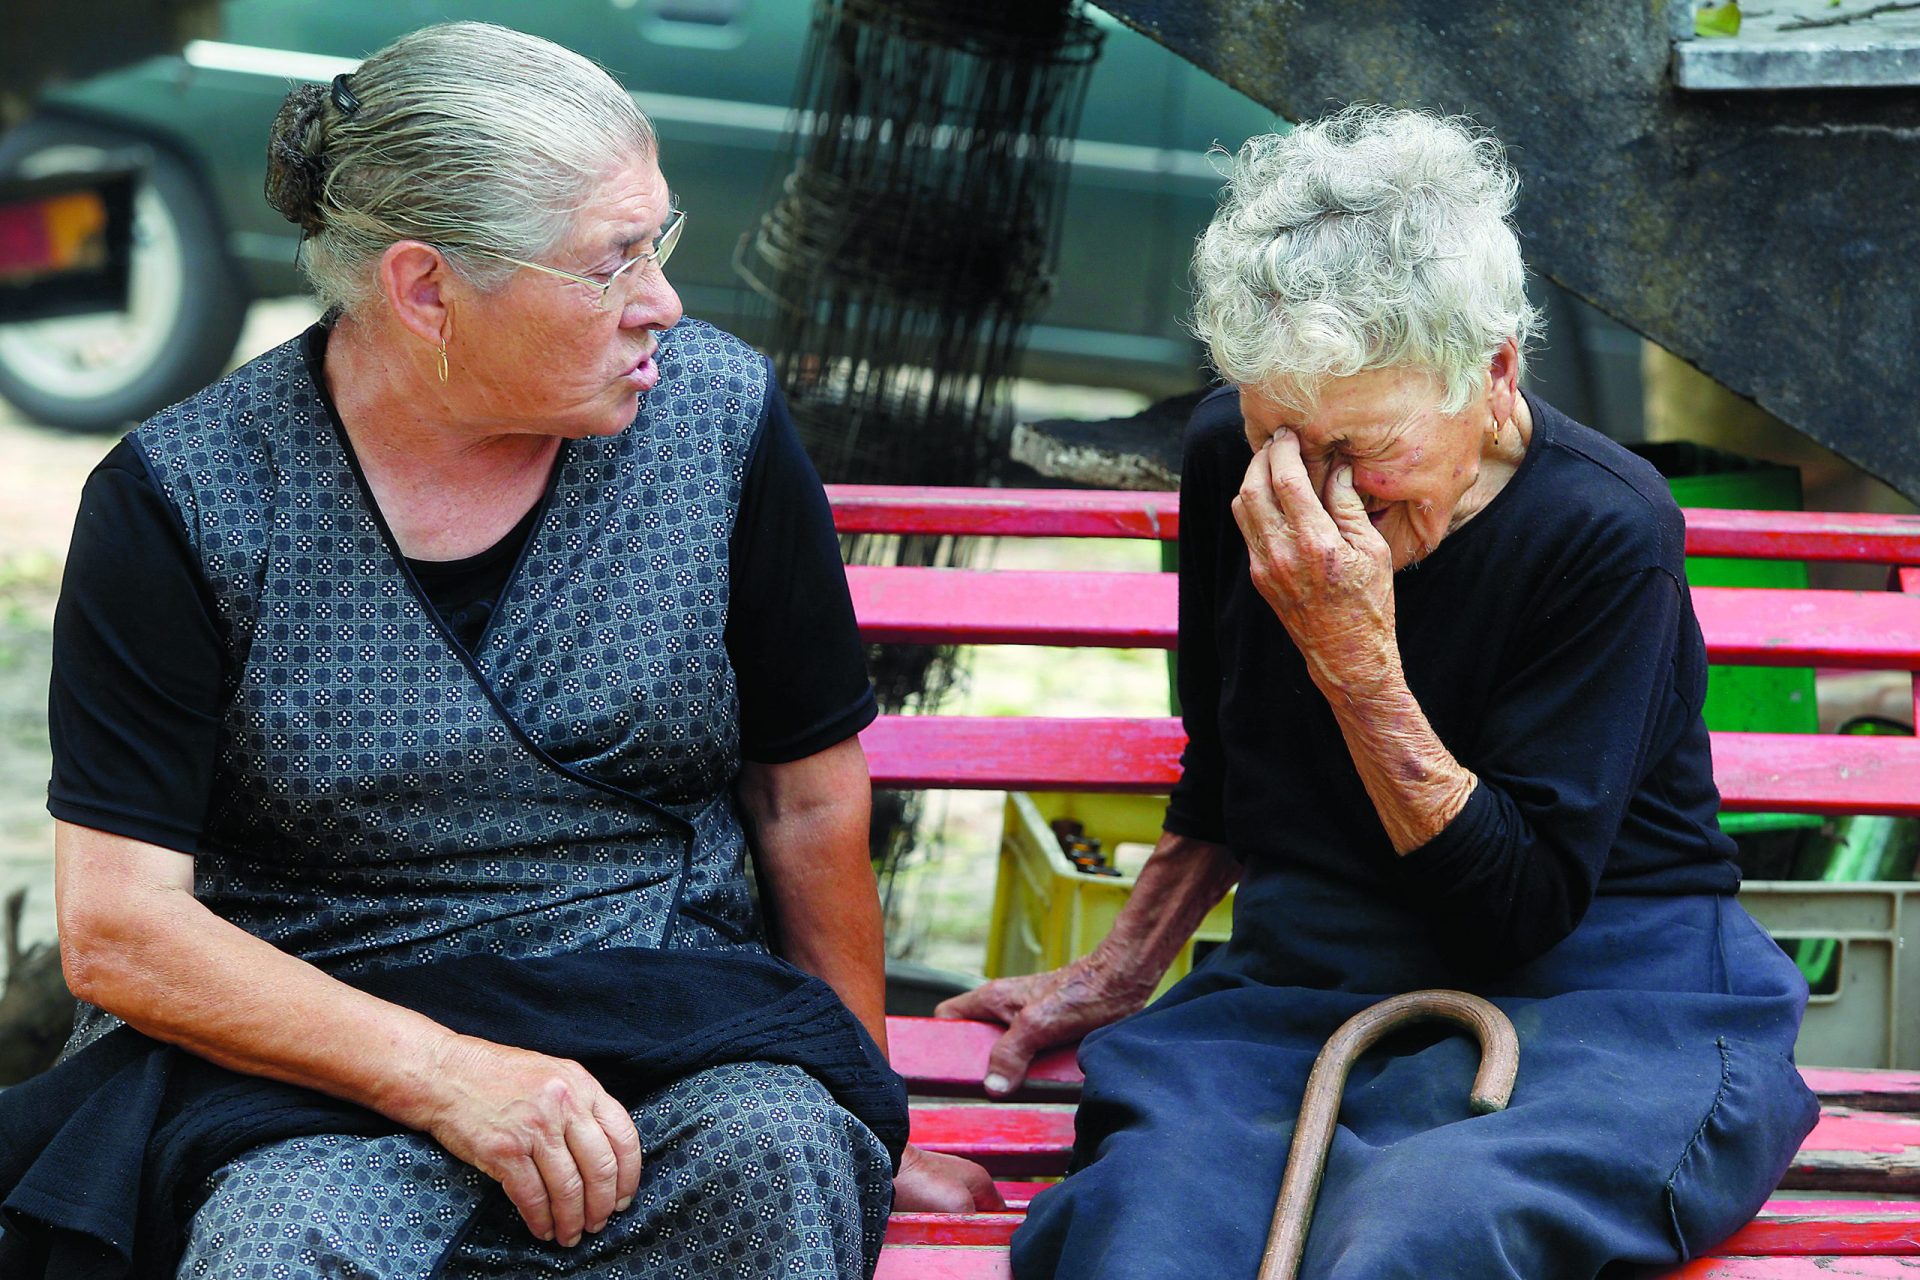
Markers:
(1374, 238)
(465, 135)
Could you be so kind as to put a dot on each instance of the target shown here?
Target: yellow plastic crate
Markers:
(1045, 911)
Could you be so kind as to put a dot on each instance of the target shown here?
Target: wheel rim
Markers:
(91, 357)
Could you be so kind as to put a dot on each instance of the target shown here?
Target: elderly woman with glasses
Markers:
(422, 690)
(1442, 684)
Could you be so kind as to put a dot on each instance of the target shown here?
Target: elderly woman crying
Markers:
(422, 692)
(1442, 684)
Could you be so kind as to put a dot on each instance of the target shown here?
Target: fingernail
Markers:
(568, 1244)
(997, 1084)
(624, 1205)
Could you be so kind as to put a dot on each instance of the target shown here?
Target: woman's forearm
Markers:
(1416, 785)
(137, 943)
(1183, 880)
(809, 821)
(825, 907)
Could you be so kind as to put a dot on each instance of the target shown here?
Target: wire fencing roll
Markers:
(903, 256)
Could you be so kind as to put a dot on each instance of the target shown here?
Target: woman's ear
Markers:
(413, 280)
(1503, 380)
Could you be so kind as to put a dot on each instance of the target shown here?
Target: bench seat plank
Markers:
(1735, 1268)
(1754, 626)
(1009, 1139)
(1862, 1088)
(947, 1057)
(1847, 537)
(1848, 1228)
(944, 1262)
(941, 1262)
(1847, 1151)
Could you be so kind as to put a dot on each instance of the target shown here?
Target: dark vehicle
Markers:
(66, 243)
(715, 75)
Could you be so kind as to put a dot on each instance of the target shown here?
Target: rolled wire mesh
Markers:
(903, 256)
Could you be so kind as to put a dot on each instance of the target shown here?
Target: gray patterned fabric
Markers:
(752, 1171)
(385, 797)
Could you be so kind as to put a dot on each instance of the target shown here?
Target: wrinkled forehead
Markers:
(1371, 404)
(624, 211)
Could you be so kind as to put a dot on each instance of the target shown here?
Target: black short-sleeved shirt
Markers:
(1552, 645)
(139, 673)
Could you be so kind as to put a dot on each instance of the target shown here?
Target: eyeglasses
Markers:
(663, 247)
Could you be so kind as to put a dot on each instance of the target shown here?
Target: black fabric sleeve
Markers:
(1197, 807)
(1570, 738)
(791, 634)
(134, 706)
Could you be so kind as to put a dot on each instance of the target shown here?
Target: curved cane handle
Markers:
(1320, 1107)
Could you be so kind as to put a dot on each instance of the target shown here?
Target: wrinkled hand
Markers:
(1042, 1010)
(564, 1151)
(933, 1182)
(1318, 561)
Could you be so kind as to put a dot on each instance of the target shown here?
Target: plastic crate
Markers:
(1860, 1021)
(1046, 911)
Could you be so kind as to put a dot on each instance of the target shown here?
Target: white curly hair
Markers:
(1373, 238)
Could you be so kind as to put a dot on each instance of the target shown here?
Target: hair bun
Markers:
(295, 174)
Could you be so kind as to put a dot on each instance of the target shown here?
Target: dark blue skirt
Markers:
(1657, 1103)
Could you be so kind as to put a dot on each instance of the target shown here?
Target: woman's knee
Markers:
(748, 1115)
(764, 1153)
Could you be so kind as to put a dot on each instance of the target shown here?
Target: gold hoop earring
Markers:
(442, 353)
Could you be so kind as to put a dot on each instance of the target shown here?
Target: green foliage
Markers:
(1718, 19)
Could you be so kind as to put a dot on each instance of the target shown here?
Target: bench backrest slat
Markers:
(1006, 513)
(1756, 772)
(1754, 626)
(1852, 537)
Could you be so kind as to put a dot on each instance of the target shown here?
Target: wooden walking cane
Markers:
(1320, 1108)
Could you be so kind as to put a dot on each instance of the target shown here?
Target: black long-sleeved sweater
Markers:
(1552, 645)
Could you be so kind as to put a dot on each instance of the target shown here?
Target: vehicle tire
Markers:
(186, 300)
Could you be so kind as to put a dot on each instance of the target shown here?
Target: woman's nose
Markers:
(655, 305)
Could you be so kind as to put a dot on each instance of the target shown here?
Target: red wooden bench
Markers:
(1867, 1144)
